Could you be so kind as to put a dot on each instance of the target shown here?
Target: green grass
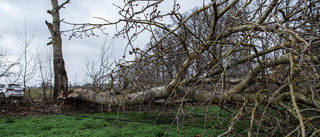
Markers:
(80, 126)
(36, 94)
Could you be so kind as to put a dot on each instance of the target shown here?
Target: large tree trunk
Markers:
(153, 94)
(236, 93)
(61, 79)
(117, 100)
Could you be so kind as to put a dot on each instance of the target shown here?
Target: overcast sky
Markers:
(16, 13)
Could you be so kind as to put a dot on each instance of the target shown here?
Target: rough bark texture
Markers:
(153, 94)
(61, 79)
(117, 100)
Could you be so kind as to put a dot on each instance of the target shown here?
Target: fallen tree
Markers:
(261, 55)
(236, 93)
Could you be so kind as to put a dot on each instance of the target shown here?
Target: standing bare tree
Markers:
(97, 71)
(60, 74)
(44, 62)
(6, 66)
(28, 60)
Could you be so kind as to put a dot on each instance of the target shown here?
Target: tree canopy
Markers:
(254, 56)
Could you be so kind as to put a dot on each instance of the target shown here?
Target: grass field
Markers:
(36, 94)
(60, 125)
(202, 121)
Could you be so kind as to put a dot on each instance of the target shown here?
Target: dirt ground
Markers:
(25, 108)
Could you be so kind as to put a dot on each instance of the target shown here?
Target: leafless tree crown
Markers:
(260, 57)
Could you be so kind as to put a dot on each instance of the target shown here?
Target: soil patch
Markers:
(26, 108)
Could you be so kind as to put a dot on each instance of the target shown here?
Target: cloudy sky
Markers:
(16, 14)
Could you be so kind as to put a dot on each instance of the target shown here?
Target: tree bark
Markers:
(153, 94)
(117, 100)
(233, 94)
(61, 79)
